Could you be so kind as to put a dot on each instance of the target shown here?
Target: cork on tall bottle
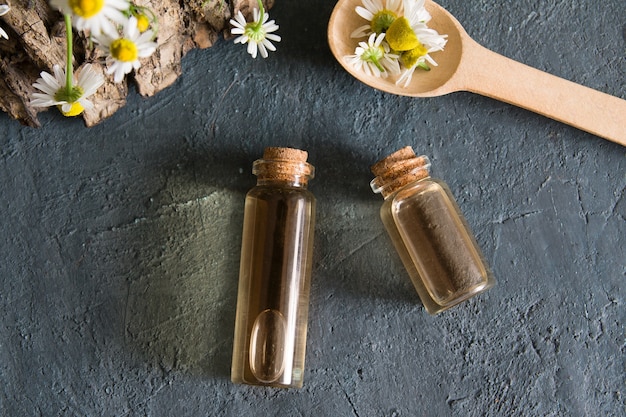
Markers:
(283, 164)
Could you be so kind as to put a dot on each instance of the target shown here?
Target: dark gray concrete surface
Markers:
(120, 243)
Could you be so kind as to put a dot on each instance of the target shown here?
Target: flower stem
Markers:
(261, 12)
(69, 70)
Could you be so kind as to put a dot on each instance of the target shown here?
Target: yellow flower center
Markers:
(400, 36)
(410, 58)
(382, 20)
(123, 50)
(75, 110)
(86, 8)
(143, 23)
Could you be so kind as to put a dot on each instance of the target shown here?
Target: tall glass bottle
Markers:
(274, 278)
(429, 232)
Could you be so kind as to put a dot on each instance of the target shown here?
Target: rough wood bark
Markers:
(37, 42)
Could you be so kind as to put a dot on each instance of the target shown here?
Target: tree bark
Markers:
(37, 42)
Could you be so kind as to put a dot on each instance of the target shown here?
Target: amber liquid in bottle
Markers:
(430, 234)
(276, 258)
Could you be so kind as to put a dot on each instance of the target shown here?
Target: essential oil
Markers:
(429, 232)
(275, 270)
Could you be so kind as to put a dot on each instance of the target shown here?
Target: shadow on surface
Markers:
(181, 262)
(354, 255)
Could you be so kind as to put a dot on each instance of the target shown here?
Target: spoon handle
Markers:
(501, 78)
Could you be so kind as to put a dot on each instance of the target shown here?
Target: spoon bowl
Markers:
(464, 65)
(431, 83)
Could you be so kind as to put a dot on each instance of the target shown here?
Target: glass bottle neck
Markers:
(393, 189)
(297, 182)
(283, 172)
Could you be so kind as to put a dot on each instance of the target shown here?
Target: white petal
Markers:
(273, 37)
(236, 25)
(146, 49)
(115, 15)
(42, 100)
(119, 74)
(87, 104)
(48, 89)
(59, 74)
(128, 66)
(50, 81)
(252, 49)
(364, 13)
(118, 4)
(270, 27)
(146, 37)
(105, 26)
(89, 80)
(373, 5)
(130, 28)
(361, 31)
(269, 45)
(241, 20)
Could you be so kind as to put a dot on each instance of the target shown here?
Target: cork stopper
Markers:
(285, 165)
(397, 170)
(285, 154)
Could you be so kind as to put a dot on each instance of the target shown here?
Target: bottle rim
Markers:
(283, 170)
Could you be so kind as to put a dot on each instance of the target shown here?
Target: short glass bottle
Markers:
(275, 271)
(429, 232)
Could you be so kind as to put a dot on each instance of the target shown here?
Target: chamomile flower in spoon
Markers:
(379, 15)
(407, 42)
(418, 57)
(374, 57)
(415, 12)
(414, 41)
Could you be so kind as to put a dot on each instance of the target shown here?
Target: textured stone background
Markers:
(120, 243)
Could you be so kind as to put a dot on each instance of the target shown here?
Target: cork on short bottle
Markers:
(397, 170)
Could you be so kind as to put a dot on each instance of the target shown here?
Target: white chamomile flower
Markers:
(55, 92)
(95, 16)
(411, 38)
(415, 12)
(257, 34)
(417, 57)
(374, 57)
(4, 9)
(124, 51)
(418, 16)
(379, 13)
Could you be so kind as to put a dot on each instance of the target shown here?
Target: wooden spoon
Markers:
(465, 65)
